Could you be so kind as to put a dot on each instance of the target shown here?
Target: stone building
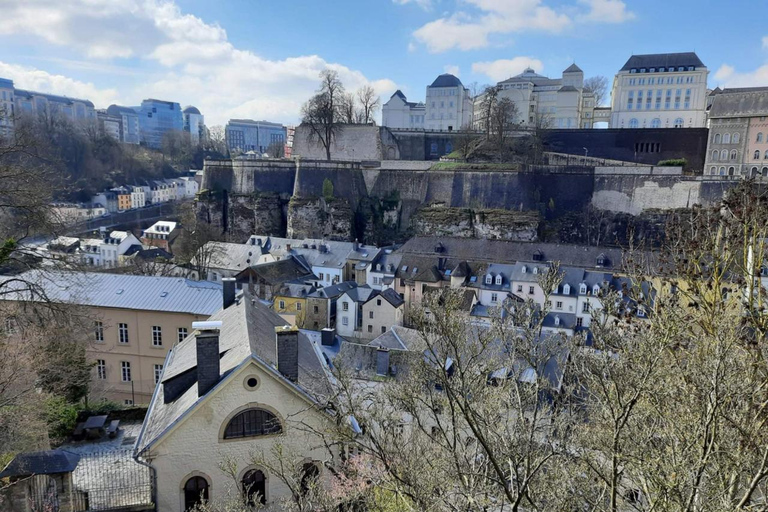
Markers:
(398, 112)
(448, 107)
(738, 133)
(665, 90)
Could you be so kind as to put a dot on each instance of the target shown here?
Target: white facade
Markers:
(448, 104)
(138, 196)
(114, 246)
(347, 313)
(188, 188)
(398, 112)
(90, 251)
(660, 91)
(68, 213)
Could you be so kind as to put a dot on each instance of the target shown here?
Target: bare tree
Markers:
(501, 124)
(369, 103)
(196, 247)
(216, 141)
(597, 85)
(489, 98)
(324, 112)
(276, 150)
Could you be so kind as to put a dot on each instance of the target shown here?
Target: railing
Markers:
(111, 480)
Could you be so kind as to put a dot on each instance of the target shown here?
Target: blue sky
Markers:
(260, 59)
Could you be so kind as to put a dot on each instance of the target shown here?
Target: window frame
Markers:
(157, 336)
(126, 371)
(122, 334)
(254, 423)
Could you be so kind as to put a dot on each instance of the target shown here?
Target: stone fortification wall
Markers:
(353, 142)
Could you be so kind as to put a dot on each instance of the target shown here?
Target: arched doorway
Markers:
(255, 487)
(195, 492)
(309, 474)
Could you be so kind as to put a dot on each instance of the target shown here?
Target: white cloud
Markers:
(474, 28)
(502, 69)
(452, 69)
(727, 76)
(606, 11)
(424, 4)
(198, 64)
(41, 81)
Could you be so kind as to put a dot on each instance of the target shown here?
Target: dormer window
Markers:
(488, 279)
(601, 260)
(498, 279)
(566, 289)
(596, 290)
(378, 267)
(557, 320)
(582, 289)
(535, 270)
(525, 269)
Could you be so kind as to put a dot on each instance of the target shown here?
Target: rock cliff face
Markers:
(318, 218)
(256, 213)
(440, 220)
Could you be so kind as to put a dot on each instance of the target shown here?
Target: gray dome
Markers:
(191, 110)
(446, 80)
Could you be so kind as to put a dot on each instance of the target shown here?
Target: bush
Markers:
(673, 162)
(61, 417)
(327, 189)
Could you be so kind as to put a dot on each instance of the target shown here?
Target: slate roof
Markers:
(568, 88)
(279, 272)
(446, 80)
(247, 332)
(146, 293)
(360, 360)
(663, 60)
(41, 463)
(331, 292)
(573, 68)
(390, 296)
(361, 293)
(399, 337)
(740, 103)
(567, 320)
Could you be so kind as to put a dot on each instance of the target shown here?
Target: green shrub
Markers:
(673, 162)
(61, 417)
(327, 189)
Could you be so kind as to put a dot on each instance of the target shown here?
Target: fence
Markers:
(110, 480)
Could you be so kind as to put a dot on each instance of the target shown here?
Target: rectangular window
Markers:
(127, 401)
(559, 304)
(126, 370)
(157, 336)
(315, 309)
(182, 334)
(344, 321)
(122, 331)
(520, 288)
(585, 307)
(579, 322)
(298, 306)
(370, 314)
(383, 329)
(530, 290)
(345, 306)
(101, 369)
(99, 328)
(322, 277)
(494, 297)
(281, 304)
(370, 328)
(158, 372)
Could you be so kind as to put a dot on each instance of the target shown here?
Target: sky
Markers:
(260, 59)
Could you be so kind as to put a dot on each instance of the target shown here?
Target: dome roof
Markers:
(446, 80)
(191, 110)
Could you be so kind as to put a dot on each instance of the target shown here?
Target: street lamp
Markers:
(586, 152)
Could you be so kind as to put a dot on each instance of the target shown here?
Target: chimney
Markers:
(288, 247)
(228, 291)
(287, 340)
(328, 336)
(207, 342)
(382, 361)
(355, 245)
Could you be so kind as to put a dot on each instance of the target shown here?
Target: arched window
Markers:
(195, 492)
(448, 147)
(757, 154)
(633, 123)
(679, 122)
(252, 423)
(656, 123)
(734, 154)
(717, 138)
(722, 171)
(764, 171)
(727, 138)
(583, 289)
(724, 154)
(765, 156)
(736, 138)
(566, 289)
(754, 172)
(759, 137)
(596, 290)
(255, 487)
(498, 279)
(731, 171)
(716, 155)
(713, 170)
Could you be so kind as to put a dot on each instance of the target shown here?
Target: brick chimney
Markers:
(287, 340)
(229, 290)
(207, 342)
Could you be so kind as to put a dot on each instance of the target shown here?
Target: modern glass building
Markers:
(156, 118)
(248, 135)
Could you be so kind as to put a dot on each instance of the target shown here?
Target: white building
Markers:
(665, 90)
(114, 246)
(72, 213)
(187, 188)
(139, 196)
(349, 311)
(161, 191)
(449, 104)
(90, 251)
(398, 112)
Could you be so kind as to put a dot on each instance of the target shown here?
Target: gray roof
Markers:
(191, 110)
(446, 80)
(568, 88)
(567, 320)
(146, 293)
(361, 293)
(247, 333)
(400, 338)
(331, 292)
(740, 103)
(41, 463)
(663, 60)
(118, 110)
(573, 68)
(280, 271)
(529, 75)
(390, 296)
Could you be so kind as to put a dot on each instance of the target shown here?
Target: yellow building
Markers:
(291, 303)
(136, 320)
